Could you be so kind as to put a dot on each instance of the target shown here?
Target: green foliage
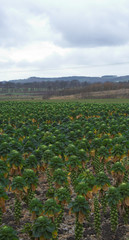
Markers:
(60, 177)
(72, 148)
(8, 233)
(3, 167)
(30, 177)
(73, 162)
(43, 227)
(118, 150)
(82, 188)
(47, 155)
(31, 162)
(4, 181)
(80, 204)
(102, 179)
(3, 194)
(18, 183)
(15, 158)
(113, 196)
(124, 190)
(36, 206)
(118, 168)
(62, 195)
(56, 162)
(51, 207)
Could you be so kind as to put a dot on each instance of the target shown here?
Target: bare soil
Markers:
(120, 93)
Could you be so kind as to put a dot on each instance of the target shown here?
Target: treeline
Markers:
(47, 89)
(49, 85)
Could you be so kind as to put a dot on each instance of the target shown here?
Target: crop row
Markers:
(82, 150)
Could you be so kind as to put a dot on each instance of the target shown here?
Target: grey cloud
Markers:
(93, 27)
(95, 31)
(13, 28)
(16, 28)
(87, 23)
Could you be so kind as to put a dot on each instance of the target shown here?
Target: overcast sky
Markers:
(49, 38)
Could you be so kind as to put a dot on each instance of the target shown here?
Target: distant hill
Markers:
(106, 78)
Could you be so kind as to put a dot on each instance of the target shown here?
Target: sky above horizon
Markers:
(53, 38)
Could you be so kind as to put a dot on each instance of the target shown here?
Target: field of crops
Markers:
(64, 171)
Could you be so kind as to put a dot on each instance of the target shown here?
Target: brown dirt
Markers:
(121, 93)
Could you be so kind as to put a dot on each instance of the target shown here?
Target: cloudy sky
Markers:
(48, 38)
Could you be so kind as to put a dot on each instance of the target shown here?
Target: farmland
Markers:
(64, 170)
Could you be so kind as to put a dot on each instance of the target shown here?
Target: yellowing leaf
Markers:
(42, 238)
(80, 115)
(89, 194)
(71, 118)
(50, 214)
(5, 175)
(14, 167)
(33, 120)
(92, 153)
(66, 158)
(95, 189)
(54, 234)
(127, 201)
(95, 131)
(81, 217)
(105, 187)
(33, 187)
(70, 212)
(25, 189)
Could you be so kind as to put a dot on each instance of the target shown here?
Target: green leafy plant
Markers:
(56, 162)
(53, 211)
(60, 178)
(62, 197)
(82, 188)
(18, 186)
(118, 171)
(31, 181)
(4, 150)
(3, 168)
(4, 180)
(15, 162)
(36, 207)
(82, 156)
(80, 207)
(117, 151)
(43, 228)
(124, 206)
(31, 162)
(8, 233)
